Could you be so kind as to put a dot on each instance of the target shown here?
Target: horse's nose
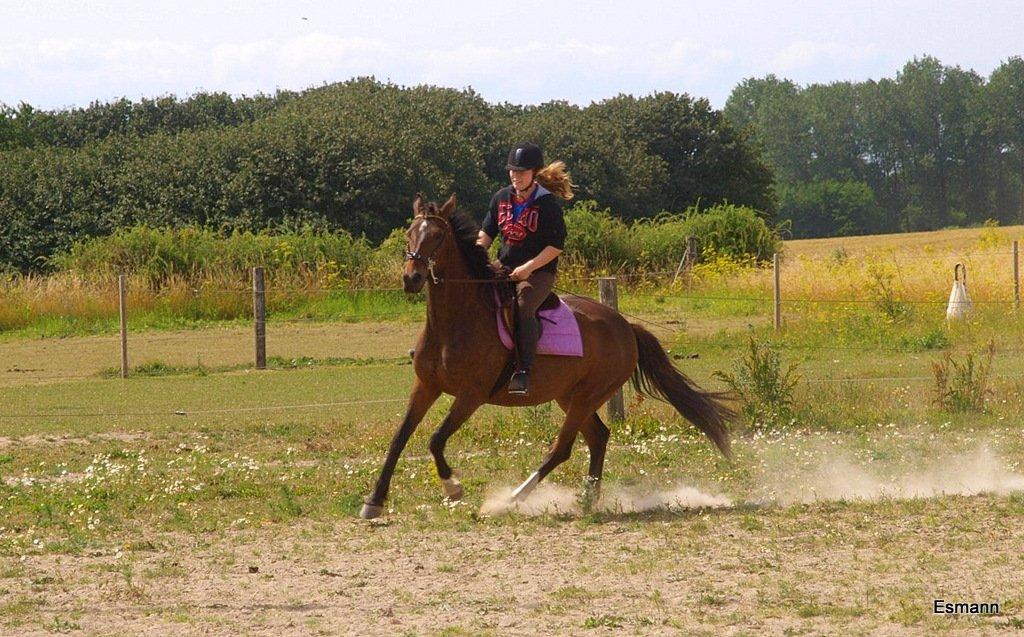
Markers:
(412, 282)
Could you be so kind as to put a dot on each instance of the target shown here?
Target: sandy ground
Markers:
(822, 569)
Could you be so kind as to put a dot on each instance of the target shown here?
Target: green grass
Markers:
(212, 470)
(159, 368)
(325, 305)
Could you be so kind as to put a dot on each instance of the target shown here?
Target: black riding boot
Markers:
(526, 345)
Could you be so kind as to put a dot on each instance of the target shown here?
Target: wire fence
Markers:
(580, 284)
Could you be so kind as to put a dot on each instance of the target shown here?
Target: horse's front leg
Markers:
(419, 402)
(462, 408)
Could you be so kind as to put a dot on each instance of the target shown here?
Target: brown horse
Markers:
(459, 353)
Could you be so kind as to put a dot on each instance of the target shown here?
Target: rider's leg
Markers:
(531, 293)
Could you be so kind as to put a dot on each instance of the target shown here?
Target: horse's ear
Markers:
(416, 203)
(449, 207)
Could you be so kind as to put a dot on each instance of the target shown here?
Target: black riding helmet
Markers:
(525, 156)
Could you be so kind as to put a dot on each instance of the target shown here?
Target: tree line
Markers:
(937, 146)
(350, 156)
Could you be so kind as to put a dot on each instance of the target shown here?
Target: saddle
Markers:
(559, 330)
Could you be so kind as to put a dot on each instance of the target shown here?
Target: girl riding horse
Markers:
(529, 218)
(459, 354)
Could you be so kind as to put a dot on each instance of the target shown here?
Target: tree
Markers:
(1005, 107)
(829, 208)
(772, 109)
(706, 158)
(350, 155)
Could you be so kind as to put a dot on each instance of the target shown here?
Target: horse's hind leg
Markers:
(558, 453)
(576, 418)
(460, 412)
(596, 433)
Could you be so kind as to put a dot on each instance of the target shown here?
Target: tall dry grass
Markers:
(915, 269)
(819, 278)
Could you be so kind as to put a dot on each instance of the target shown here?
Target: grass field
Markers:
(200, 496)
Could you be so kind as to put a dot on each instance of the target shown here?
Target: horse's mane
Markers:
(466, 232)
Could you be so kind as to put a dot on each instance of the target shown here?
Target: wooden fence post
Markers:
(778, 292)
(689, 259)
(259, 310)
(610, 297)
(122, 295)
(1016, 275)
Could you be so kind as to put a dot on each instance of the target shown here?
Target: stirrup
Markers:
(519, 385)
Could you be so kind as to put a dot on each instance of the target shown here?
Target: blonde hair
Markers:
(556, 178)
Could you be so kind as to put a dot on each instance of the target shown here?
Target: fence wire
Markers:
(574, 281)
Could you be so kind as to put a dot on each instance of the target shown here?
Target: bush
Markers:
(661, 241)
(962, 385)
(736, 231)
(596, 239)
(765, 388)
(312, 254)
(600, 241)
(197, 253)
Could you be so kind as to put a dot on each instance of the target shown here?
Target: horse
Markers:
(459, 353)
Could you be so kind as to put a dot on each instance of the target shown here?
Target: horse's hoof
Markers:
(591, 493)
(452, 487)
(371, 511)
(526, 488)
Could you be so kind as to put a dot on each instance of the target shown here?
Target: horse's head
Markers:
(427, 237)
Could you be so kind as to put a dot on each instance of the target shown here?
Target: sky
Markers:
(64, 54)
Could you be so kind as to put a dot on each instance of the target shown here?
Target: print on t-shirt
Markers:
(515, 230)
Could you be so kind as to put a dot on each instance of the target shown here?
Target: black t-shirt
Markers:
(540, 225)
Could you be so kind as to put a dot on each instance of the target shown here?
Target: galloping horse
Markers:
(459, 353)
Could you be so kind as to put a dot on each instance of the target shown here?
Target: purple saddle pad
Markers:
(559, 336)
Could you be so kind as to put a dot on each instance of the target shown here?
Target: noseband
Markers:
(430, 261)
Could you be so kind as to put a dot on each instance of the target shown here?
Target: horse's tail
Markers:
(656, 376)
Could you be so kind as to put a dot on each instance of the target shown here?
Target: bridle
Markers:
(430, 261)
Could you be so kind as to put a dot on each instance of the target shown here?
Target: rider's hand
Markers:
(521, 273)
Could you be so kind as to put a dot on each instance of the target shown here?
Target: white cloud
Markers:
(82, 70)
(331, 50)
(688, 59)
(56, 52)
(805, 53)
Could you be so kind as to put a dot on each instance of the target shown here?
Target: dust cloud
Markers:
(547, 499)
(832, 475)
(553, 499)
(638, 499)
(836, 476)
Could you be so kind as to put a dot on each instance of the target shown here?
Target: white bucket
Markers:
(959, 305)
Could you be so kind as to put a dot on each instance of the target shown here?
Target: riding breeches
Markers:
(530, 294)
